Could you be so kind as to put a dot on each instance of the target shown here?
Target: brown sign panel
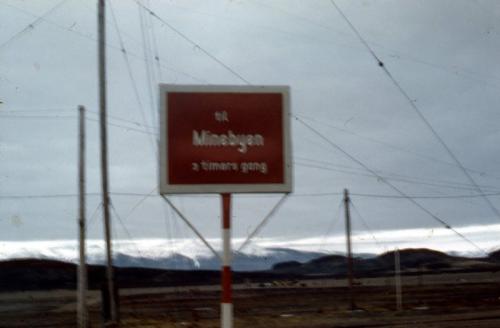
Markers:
(218, 139)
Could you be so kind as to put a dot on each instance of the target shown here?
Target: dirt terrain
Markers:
(445, 300)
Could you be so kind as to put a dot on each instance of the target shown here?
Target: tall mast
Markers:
(104, 157)
(82, 316)
(349, 249)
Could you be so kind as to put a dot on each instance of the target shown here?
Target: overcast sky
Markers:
(443, 53)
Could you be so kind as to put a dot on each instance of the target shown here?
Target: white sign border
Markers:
(166, 188)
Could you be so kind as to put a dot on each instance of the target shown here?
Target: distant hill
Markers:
(44, 274)
(37, 274)
(494, 256)
(411, 260)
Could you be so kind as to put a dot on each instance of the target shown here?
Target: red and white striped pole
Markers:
(226, 301)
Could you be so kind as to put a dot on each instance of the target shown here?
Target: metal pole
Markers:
(82, 315)
(349, 249)
(397, 281)
(104, 157)
(226, 300)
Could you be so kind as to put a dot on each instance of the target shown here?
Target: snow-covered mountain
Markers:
(241, 261)
(261, 253)
(184, 254)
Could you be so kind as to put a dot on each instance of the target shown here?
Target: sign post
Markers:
(226, 299)
(224, 140)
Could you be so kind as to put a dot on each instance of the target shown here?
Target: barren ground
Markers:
(446, 300)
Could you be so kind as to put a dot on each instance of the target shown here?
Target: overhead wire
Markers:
(36, 111)
(129, 235)
(39, 117)
(57, 116)
(121, 119)
(155, 49)
(168, 230)
(109, 45)
(191, 226)
(367, 227)
(146, 48)
(321, 164)
(400, 177)
(326, 165)
(390, 145)
(492, 82)
(405, 180)
(45, 196)
(304, 161)
(31, 26)
(423, 196)
(144, 196)
(417, 110)
(93, 216)
(389, 184)
(132, 78)
(168, 213)
(193, 43)
(128, 128)
(264, 221)
(54, 112)
(332, 223)
(396, 54)
(139, 202)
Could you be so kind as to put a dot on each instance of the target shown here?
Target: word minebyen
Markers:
(230, 139)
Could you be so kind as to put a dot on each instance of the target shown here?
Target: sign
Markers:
(224, 139)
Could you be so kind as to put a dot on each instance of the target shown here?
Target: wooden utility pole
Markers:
(82, 314)
(101, 9)
(397, 280)
(349, 249)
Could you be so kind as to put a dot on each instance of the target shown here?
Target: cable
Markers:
(155, 49)
(36, 111)
(125, 229)
(326, 165)
(192, 227)
(121, 126)
(168, 232)
(389, 145)
(261, 225)
(146, 52)
(392, 186)
(132, 79)
(384, 196)
(56, 112)
(136, 205)
(469, 75)
(424, 197)
(318, 194)
(332, 224)
(401, 177)
(117, 118)
(38, 117)
(314, 22)
(417, 110)
(45, 196)
(392, 178)
(32, 25)
(193, 43)
(110, 46)
(93, 216)
(72, 117)
(365, 224)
